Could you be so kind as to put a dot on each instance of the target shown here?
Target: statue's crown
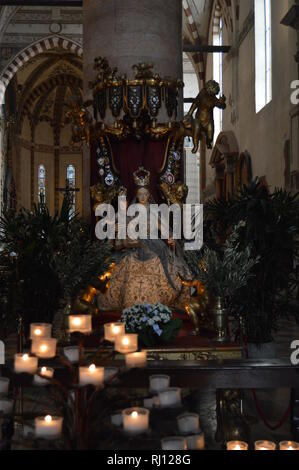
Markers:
(141, 177)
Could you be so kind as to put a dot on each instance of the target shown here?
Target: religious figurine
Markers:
(203, 122)
(175, 193)
(197, 309)
(146, 270)
(80, 119)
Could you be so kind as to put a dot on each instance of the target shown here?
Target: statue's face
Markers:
(143, 195)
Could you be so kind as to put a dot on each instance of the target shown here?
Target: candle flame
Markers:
(125, 341)
(237, 447)
(43, 370)
(48, 418)
(25, 357)
(92, 368)
(38, 332)
(43, 348)
(115, 329)
(290, 448)
(77, 321)
(134, 414)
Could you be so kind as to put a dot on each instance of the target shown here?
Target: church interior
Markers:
(111, 341)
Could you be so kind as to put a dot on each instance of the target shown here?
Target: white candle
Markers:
(71, 353)
(170, 397)
(173, 443)
(159, 383)
(80, 324)
(44, 347)
(45, 372)
(6, 406)
(288, 445)
(25, 363)
(264, 445)
(48, 427)
(135, 420)
(236, 445)
(117, 418)
(112, 330)
(148, 403)
(188, 423)
(40, 330)
(4, 385)
(136, 359)
(196, 442)
(126, 344)
(91, 375)
(110, 372)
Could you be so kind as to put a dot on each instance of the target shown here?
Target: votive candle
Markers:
(126, 344)
(264, 445)
(136, 359)
(188, 423)
(159, 383)
(4, 385)
(91, 375)
(173, 443)
(44, 347)
(46, 372)
(25, 363)
(80, 324)
(237, 445)
(48, 427)
(112, 330)
(40, 330)
(196, 441)
(170, 397)
(288, 445)
(135, 420)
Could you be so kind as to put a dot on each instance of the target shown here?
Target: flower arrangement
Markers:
(153, 323)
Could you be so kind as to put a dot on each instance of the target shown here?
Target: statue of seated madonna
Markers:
(147, 270)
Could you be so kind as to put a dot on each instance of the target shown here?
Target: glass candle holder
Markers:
(44, 347)
(80, 324)
(196, 441)
(46, 372)
(236, 445)
(157, 383)
(48, 427)
(188, 423)
(25, 363)
(136, 359)
(173, 443)
(71, 353)
(6, 406)
(264, 445)
(91, 375)
(135, 420)
(4, 385)
(289, 445)
(126, 344)
(112, 330)
(40, 330)
(170, 397)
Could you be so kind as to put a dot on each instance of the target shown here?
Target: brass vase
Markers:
(219, 315)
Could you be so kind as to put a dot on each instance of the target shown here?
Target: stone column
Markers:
(128, 32)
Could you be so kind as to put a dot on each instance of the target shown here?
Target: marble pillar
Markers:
(128, 32)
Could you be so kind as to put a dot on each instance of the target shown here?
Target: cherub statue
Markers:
(80, 119)
(175, 193)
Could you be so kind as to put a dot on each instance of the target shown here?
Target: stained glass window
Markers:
(41, 184)
(71, 178)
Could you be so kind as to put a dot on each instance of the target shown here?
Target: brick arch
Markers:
(198, 58)
(34, 49)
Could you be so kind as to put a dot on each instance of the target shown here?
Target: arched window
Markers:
(71, 178)
(263, 53)
(218, 66)
(41, 184)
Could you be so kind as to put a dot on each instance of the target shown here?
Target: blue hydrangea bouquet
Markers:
(153, 323)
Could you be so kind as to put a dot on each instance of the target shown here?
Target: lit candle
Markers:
(170, 397)
(196, 442)
(237, 445)
(44, 347)
(45, 372)
(173, 443)
(159, 383)
(126, 344)
(188, 423)
(48, 427)
(288, 445)
(6, 406)
(264, 445)
(4, 385)
(71, 353)
(25, 363)
(136, 359)
(91, 375)
(40, 330)
(135, 420)
(80, 324)
(110, 372)
(112, 330)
